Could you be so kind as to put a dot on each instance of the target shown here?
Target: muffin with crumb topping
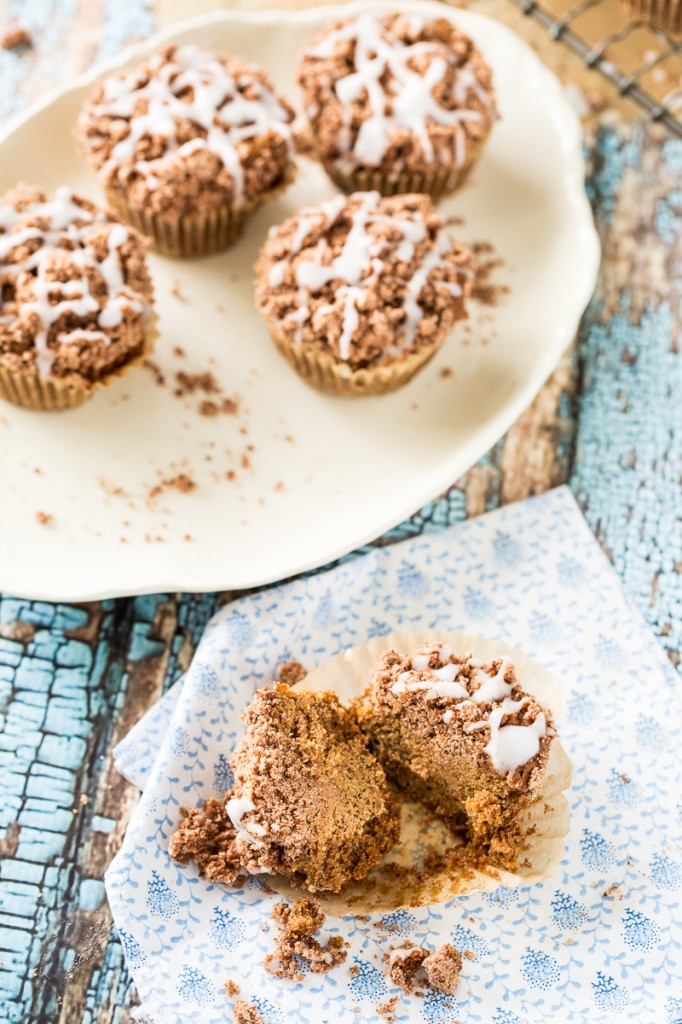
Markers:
(187, 146)
(360, 292)
(398, 103)
(75, 298)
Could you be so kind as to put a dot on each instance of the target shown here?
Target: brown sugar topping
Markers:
(298, 926)
(397, 92)
(188, 131)
(75, 293)
(246, 1013)
(365, 278)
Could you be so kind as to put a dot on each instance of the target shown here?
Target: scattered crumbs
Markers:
(454, 221)
(469, 954)
(612, 891)
(84, 799)
(44, 518)
(288, 438)
(443, 968)
(231, 988)
(290, 672)
(246, 461)
(246, 1013)
(220, 309)
(38, 471)
(176, 291)
(412, 967)
(296, 944)
(16, 38)
(279, 486)
(187, 536)
(182, 482)
(387, 1008)
(231, 475)
(403, 964)
(156, 372)
(229, 406)
(354, 971)
(484, 290)
(446, 371)
(189, 383)
(178, 352)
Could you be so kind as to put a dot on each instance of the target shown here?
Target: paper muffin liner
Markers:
(194, 234)
(546, 819)
(664, 14)
(50, 394)
(322, 371)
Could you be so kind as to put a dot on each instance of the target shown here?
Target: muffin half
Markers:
(309, 801)
(75, 298)
(397, 103)
(187, 146)
(360, 292)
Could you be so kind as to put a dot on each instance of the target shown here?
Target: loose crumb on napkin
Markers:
(246, 1013)
(409, 966)
(231, 988)
(298, 925)
(44, 518)
(291, 672)
(15, 38)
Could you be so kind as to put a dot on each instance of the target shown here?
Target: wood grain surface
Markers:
(73, 679)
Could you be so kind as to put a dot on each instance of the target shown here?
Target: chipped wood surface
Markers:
(73, 679)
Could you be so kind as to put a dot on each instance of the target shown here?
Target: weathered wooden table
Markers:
(73, 679)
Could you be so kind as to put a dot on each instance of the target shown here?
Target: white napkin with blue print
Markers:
(600, 942)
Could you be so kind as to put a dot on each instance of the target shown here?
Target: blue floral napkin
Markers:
(600, 942)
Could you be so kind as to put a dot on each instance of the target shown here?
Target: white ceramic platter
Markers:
(324, 474)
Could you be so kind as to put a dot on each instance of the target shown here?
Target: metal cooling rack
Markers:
(643, 63)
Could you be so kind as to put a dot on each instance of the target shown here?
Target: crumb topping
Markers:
(487, 698)
(400, 92)
(364, 277)
(188, 131)
(299, 923)
(75, 293)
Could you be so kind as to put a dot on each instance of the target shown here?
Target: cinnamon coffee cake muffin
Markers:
(309, 800)
(398, 103)
(359, 292)
(462, 737)
(188, 145)
(75, 298)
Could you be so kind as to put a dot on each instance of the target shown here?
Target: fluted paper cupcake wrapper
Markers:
(195, 234)
(322, 371)
(51, 394)
(545, 820)
(664, 14)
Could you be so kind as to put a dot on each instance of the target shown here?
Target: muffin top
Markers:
(398, 92)
(366, 279)
(75, 294)
(189, 131)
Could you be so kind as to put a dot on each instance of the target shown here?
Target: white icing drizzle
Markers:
(236, 808)
(358, 266)
(447, 716)
(492, 687)
(511, 746)
(408, 101)
(217, 105)
(66, 221)
(440, 682)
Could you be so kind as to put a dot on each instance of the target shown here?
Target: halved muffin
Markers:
(309, 801)
(463, 737)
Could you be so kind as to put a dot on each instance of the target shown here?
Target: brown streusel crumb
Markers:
(298, 924)
(231, 988)
(403, 964)
(16, 38)
(443, 969)
(44, 518)
(387, 1009)
(246, 1013)
(291, 672)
